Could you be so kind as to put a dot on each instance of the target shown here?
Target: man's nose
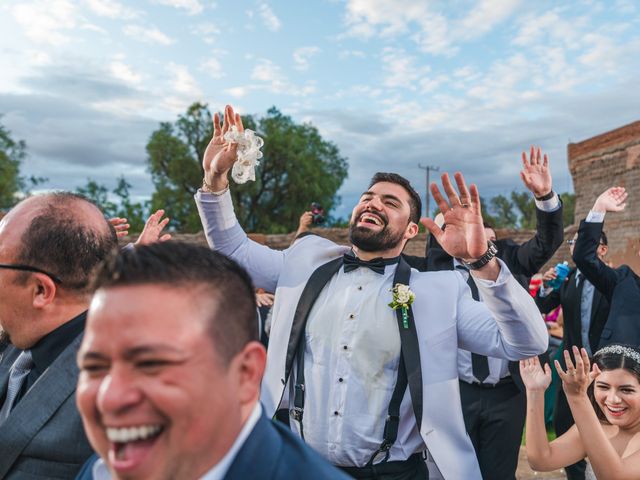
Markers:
(375, 203)
(117, 392)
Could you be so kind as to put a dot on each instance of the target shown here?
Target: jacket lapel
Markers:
(263, 447)
(39, 404)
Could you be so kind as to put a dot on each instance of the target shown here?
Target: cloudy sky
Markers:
(394, 83)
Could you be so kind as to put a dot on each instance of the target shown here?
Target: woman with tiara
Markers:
(605, 403)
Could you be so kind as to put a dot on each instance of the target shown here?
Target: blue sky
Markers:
(465, 85)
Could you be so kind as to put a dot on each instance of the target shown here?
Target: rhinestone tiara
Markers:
(620, 350)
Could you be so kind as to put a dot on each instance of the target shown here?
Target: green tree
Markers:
(524, 202)
(12, 153)
(568, 208)
(501, 209)
(135, 212)
(298, 167)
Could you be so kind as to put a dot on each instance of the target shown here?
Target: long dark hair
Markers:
(612, 357)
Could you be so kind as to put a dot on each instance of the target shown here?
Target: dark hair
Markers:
(603, 238)
(415, 203)
(613, 357)
(61, 241)
(206, 275)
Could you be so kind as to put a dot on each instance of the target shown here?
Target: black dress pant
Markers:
(563, 421)
(494, 418)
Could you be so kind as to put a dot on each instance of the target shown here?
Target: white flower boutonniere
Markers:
(402, 298)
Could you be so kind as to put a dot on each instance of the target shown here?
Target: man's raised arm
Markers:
(215, 207)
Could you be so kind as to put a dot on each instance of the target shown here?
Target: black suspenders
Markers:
(409, 370)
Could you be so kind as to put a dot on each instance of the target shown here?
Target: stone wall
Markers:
(607, 160)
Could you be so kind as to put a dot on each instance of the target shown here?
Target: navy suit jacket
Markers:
(270, 452)
(620, 286)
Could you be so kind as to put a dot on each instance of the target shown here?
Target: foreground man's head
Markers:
(170, 363)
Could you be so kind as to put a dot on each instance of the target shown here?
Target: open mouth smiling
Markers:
(368, 218)
(131, 445)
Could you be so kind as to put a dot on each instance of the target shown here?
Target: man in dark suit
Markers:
(49, 244)
(620, 286)
(492, 394)
(170, 372)
(585, 311)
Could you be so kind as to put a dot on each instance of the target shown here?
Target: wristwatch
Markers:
(491, 252)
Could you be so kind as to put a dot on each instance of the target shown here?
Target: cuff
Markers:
(595, 217)
(550, 205)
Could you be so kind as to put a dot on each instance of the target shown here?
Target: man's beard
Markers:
(369, 241)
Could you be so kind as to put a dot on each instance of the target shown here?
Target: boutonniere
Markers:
(402, 298)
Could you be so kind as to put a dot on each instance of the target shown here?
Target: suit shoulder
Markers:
(297, 460)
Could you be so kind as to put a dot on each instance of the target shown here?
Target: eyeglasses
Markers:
(29, 268)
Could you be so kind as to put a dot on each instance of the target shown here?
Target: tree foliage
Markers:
(135, 212)
(298, 167)
(12, 153)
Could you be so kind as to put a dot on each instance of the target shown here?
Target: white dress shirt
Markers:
(219, 470)
(352, 354)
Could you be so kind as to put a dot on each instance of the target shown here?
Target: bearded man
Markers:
(362, 353)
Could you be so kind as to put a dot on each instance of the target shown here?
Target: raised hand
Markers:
(576, 380)
(535, 172)
(464, 235)
(534, 376)
(153, 228)
(611, 200)
(220, 155)
(120, 225)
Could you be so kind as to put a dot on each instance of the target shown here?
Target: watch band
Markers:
(491, 252)
(548, 196)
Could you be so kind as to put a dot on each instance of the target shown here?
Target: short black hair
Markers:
(603, 238)
(200, 272)
(415, 203)
(59, 241)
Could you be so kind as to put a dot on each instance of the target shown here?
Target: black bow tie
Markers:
(377, 264)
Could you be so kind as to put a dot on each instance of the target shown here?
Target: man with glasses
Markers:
(585, 312)
(49, 245)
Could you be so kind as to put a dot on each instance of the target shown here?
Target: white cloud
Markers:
(344, 54)
(238, 92)
(275, 81)
(270, 20)
(207, 31)
(213, 67)
(147, 34)
(124, 72)
(302, 55)
(46, 22)
(182, 81)
(485, 16)
(403, 72)
(193, 7)
(111, 9)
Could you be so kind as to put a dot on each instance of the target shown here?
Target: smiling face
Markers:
(617, 393)
(157, 401)
(380, 222)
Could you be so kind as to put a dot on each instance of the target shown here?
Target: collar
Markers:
(47, 349)
(386, 261)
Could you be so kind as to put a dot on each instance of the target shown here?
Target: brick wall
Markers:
(607, 160)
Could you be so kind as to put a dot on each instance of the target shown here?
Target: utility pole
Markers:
(429, 169)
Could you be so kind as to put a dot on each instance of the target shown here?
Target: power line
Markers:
(429, 169)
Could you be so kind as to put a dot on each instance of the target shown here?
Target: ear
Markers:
(44, 290)
(411, 231)
(249, 369)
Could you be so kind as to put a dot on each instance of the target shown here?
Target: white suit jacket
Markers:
(506, 325)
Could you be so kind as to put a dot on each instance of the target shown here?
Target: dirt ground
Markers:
(524, 472)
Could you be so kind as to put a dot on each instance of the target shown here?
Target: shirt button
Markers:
(345, 347)
(341, 380)
(360, 287)
(336, 413)
(352, 316)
